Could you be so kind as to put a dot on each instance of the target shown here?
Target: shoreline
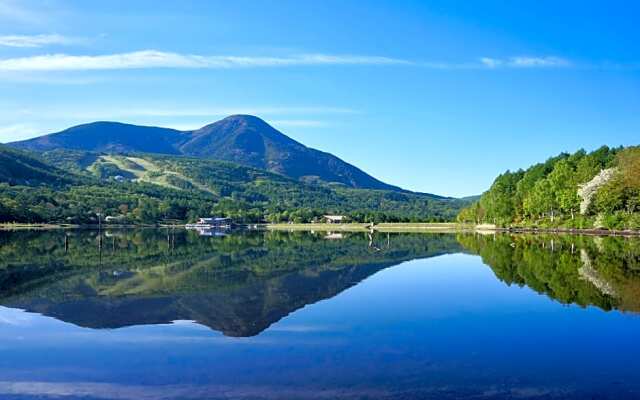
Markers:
(571, 231)
(89, 227)
(434, 227)
(364, 227)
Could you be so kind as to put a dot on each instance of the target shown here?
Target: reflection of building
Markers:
(212, 222)
(334, 219)
(334, 235)
(210, 232)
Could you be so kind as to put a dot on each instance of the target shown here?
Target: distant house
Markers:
(211, 222)
(334, 219)
(110, 219)
(214, 221)
(119, 178)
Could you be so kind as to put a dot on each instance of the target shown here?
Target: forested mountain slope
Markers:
(581, 190)
(243, 139)
(20, 168)
(147, 188)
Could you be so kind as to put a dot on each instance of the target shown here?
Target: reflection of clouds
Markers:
(177, 332)
(187, 322)
(177, 339)
(15, 317)
(72, 390)
(302, 328)
(77, 390)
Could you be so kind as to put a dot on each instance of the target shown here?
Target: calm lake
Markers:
(162, 314)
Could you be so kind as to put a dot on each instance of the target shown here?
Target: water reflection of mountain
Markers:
(237, 284)
(583, 270)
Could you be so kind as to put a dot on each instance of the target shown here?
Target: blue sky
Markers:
(434, 96)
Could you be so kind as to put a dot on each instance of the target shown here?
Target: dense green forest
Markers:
(583, 270)
(600, 189)
(65, 186)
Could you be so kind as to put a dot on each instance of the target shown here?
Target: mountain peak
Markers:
(248, 118)
(240, 119)
(243, 124)
(241, 138)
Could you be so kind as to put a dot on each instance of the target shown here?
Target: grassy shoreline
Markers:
(18, 226)
(362, 227)
(51, 226)
(350, 227)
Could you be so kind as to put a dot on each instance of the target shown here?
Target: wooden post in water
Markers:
(173, 237)
(99, 237)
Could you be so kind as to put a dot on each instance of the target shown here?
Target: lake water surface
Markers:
(162, 314)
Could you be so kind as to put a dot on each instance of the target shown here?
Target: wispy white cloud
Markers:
(102, 112)
(298, 123)
(525, 62)
(224, 111)
(282, 123)
(53, 118)
(13, 132)
(159, 59)
(148, 59)
(16, 11)
(44, 78)
(36, 40)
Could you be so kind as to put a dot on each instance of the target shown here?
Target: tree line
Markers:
(549, 194)
(77, 188)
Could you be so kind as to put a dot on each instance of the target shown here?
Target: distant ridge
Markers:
(20, 168)
(244, 139)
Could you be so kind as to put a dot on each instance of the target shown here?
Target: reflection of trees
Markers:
(238, 284)
(584, 270)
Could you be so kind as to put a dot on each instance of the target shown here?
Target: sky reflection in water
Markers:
(435, 327)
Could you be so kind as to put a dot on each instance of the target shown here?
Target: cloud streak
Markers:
(525, 62)
(153, 59)
(158, 59)
(12, 10)
(185, 112)
(9, 133)
(35, 40)
(218, 111)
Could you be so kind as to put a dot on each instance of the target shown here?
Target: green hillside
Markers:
(22, 168)
(147, 188)
(580, 190)
(242, 139)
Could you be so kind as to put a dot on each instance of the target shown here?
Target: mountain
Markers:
(71, 186)
(21, 168)
(243, 139)
(250, 141)
(109, 137)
